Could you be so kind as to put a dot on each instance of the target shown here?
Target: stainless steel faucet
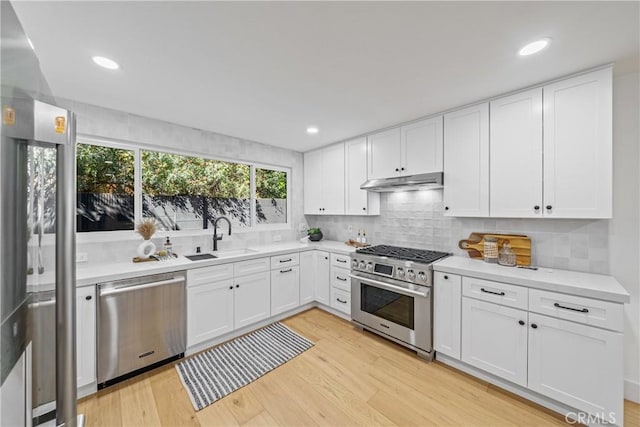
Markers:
(215, 231)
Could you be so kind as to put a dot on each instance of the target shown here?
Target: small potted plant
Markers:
(315, 234)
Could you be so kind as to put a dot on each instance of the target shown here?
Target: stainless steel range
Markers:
(391, 294)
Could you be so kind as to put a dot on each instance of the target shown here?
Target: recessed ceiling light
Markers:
(534, 47)
(107, 63)
(30, 43)
(312, 130)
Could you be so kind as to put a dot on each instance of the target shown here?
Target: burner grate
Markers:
(407, 254)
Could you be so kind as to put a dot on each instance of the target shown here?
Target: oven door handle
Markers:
(394, 288)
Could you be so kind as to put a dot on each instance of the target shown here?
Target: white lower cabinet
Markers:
(210, 311)
(251, 299)
(86, 335)
(341, 300)
(494, 339)
(323, 277)
(576, 362)
(578, 365)
(447, 313)
(340, 286)
(285, 289)
(308, 262)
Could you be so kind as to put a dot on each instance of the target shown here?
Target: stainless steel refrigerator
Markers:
(37, 217)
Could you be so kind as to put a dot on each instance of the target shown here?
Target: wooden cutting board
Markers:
(520, 245)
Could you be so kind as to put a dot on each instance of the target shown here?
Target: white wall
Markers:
(624, 231)
(416, 219)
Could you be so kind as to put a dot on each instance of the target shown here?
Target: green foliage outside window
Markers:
(165, 174)
(104, 170)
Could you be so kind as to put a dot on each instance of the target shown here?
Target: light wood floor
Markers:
(347, 378)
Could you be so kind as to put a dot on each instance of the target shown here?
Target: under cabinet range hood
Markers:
(425, 181)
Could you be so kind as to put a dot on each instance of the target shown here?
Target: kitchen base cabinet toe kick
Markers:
(564, 352)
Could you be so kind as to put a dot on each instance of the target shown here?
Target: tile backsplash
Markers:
(415, 219)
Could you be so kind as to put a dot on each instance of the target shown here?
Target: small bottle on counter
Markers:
(507, 257)
(359, 238)
(168, 248)
(364, 237)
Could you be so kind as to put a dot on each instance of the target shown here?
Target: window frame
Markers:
(137, 149)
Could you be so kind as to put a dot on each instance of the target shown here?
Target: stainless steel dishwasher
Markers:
(141, 325)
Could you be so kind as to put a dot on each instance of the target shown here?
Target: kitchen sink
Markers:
(235, 252)
(200, 257)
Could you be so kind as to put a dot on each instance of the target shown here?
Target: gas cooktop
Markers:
(407, 254)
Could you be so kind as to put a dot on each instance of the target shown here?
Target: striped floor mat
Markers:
(211, 375)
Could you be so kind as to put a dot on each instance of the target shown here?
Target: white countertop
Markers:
(92, 273)
(568, 282)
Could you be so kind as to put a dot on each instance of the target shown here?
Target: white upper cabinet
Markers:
(466, 162)
(324, 181)
(408, 150)
(516, 155)
(313, 182)
(578, 146)
(384, 154)
(357, 201)
(422, 145)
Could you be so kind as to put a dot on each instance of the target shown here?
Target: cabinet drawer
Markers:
(341, 261)
(589, 311)
(341, 300)
(496, 292)
(285, 260)
(244, 268)
(200, 276)
(340, 279)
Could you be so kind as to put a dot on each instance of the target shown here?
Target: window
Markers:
(186, 193)
(105, 188)
(271, 196)
(119, 185)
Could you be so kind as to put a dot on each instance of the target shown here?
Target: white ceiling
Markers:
(265, 71)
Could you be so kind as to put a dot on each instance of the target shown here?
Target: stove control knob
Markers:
(422, 276)
(361, 265)
(370, 266)
(400, 272)
(411, 274)
(354, 263)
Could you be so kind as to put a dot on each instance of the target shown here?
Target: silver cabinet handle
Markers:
(124, 289)
(341, 278)
(286, 271)
(339, 300)
(286, 260)
(393, 288)
(344, 261)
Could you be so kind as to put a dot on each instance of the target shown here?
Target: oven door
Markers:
(397, 309)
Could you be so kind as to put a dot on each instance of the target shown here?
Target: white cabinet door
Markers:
(421, 148)
(86, 335)
(209, 311)
(494, 339)
(357, 201)
(251, 299)
(447, 303)
(516, 155)
(578, 147)
(333, 180)
(576, 364)
(285, 289)
(384, 154)
(307, 276)
(313, 182)
(323, 277)
(466, 162)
